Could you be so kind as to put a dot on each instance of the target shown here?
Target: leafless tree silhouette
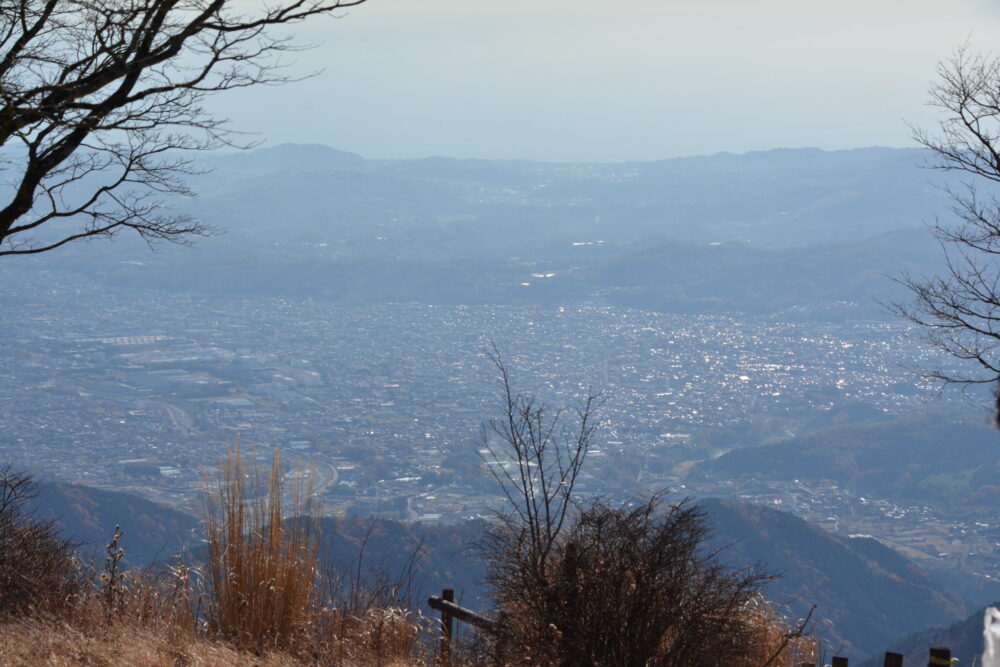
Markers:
(103, 100)
(601, 583)
(536, 465)
(960, 309)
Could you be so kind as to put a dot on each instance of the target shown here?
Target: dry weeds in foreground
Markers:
(776, 642)
(151, 623)
(163, 644)
(262, 600)
(265, 603)
(262, 572)
(58, 643)
(265, 592)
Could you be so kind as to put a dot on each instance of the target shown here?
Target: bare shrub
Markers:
(624, 586)
(39, 570)
(599, 583)
(536, 463)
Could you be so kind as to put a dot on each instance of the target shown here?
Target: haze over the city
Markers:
(582, 80)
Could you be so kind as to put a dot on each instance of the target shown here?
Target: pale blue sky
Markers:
(610, 81)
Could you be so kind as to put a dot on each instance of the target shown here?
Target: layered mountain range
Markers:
(755, 233)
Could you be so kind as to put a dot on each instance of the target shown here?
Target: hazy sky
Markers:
(614, 80)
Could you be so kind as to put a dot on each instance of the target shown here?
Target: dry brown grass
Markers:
(152, 623)
(775, 642)
(130, 618)
(263, 601)
(264, 589)
(36, 641)
(260, 599)
(262, 572)
(150, 628)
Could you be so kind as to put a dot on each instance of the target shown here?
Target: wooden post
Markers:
(893, 659)
(807, 664)
(940, 657)
(448, 595)
(839, 662)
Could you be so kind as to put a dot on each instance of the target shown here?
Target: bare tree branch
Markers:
(98, 98)
(537, 463)
(959, 310)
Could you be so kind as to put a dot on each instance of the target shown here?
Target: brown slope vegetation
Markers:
(261, 599)
(257, 599)
(58, 644)
(866, 593)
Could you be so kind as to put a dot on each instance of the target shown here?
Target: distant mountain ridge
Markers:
(286, 157)
(756, 233)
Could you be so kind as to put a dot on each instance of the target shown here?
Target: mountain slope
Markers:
(964, 638)
(929, 458)
(88, 515)
(864, 591)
